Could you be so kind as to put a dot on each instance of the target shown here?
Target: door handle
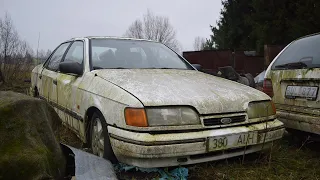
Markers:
(54, 82)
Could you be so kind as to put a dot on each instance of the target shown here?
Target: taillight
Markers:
(267, 87)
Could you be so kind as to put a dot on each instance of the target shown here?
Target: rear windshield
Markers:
(301, 54)
(134, 54)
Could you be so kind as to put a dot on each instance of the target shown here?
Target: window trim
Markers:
(83, 62)
(90, 56)
(70, 47)
(48, 60)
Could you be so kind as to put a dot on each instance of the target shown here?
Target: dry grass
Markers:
(288, 160)
(19, 81)
(66, 136)
(21, 87)
(16, 74)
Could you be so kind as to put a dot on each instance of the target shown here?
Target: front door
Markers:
(69, 96)
(49, 75)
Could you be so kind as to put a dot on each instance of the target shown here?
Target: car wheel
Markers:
(100, 141)
(297, 136)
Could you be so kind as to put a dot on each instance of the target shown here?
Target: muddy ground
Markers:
(291, 158)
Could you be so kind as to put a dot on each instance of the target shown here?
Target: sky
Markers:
(60, 20)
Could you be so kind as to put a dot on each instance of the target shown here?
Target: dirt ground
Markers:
(291, 158)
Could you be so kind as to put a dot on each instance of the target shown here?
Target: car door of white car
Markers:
(69, 96)
(49, 74)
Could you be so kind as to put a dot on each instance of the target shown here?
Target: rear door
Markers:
(49, 74)
(295, 76)
(69, 96)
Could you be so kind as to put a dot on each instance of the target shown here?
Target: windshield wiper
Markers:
(162, 68)
(295, 65)
(97, 67)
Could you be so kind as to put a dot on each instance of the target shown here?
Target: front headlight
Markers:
(172, 116)
(259, 109)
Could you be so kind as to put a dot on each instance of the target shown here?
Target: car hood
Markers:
(167, 87)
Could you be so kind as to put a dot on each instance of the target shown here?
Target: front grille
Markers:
(217, 121)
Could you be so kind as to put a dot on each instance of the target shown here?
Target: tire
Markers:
(99, 138)
(35, 92)
(297, 136)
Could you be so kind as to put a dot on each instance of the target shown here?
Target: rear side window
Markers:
(302, 53)
(56, 57)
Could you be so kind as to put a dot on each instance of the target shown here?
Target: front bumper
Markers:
(173, 149)
(299, 121)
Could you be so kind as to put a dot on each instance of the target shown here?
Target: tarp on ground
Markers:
(88, 166)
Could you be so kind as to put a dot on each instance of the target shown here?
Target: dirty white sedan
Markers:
(139, 102)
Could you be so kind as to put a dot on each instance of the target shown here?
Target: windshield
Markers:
(302, 53)
(134, 54)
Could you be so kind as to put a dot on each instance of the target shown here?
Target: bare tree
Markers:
(43, 55)
(15, 54)
(153, 27)
(199, 43)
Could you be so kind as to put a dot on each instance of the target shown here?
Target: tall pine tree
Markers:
(249, 24)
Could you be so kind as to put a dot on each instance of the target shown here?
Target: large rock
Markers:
(28, 148)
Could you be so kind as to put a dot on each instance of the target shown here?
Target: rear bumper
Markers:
(162, 150)
(302, 122)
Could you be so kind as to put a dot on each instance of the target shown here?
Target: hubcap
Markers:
(97, 139)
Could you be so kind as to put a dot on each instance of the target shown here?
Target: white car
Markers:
(139, 102)
(293, 81)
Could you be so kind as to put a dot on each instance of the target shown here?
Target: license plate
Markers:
(232, 141)
(309, 92)
(270, 136)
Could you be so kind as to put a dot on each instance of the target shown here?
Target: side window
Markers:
(57, 57)
(75, 52)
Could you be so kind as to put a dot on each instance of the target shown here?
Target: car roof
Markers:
(110, 37)
(318, 33)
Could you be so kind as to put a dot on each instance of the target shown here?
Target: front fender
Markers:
(110, 99)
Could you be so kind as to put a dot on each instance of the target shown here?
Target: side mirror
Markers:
(197, 66)
(71, 67)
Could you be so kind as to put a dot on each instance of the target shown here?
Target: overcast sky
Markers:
(60, 20)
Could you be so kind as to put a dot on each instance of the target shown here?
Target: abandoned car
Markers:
(140, 103)
(293, 80)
